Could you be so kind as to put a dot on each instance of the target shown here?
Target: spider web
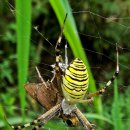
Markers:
(101, 55)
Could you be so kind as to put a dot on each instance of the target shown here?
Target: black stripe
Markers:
(76, 69)
(58, 47)
(83, 86)
(17, 127)
(114, 76)
(79, 66)
(75, 88)
(75, 79)
(75, 97)
(78, 60)
(68, 87)
(77, 74)
(84, 89)
(77, 63)
(81, 89)
(71, 93)
(38, 127)
(112, 79)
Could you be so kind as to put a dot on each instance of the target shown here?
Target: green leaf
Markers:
(99, 117)
(61, 7)
(23, 29)
(116, 114)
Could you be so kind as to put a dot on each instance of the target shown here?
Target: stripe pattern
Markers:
(75, 81)
(19, 127)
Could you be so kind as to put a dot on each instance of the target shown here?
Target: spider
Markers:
(67, 88)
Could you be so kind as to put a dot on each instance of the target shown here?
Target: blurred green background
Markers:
(92, 30)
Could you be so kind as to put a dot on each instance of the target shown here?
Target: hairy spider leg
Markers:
(102, 90)
(45, 117)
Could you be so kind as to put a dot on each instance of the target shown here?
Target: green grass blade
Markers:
(127, 104)
(116, 113)
(23, 12)
(2, 119)
(99, 117)
(62, 7)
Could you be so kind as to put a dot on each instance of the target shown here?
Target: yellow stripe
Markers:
(65, 82)
(79, 68)
(79, 88)
(72, 86)
(77, 72)
(85, 88)
(74, 81)
(78, 60)
(76, 97)
(76, 77)
(78, 64)
(76, 87)
(67, 89)
(74, 93)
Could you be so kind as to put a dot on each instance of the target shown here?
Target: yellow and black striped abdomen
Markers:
(75, 81)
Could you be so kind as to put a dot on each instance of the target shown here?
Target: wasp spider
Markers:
(72, 83)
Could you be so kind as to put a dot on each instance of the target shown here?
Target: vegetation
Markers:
(100, 25)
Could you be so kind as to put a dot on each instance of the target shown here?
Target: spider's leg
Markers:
(40, 77)
(59, 61)
(58, 47)
(83, 120)
(66, 56)
(102, 90)
(49, 114)
(86, 100)
(46, 117)
(38, 127)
